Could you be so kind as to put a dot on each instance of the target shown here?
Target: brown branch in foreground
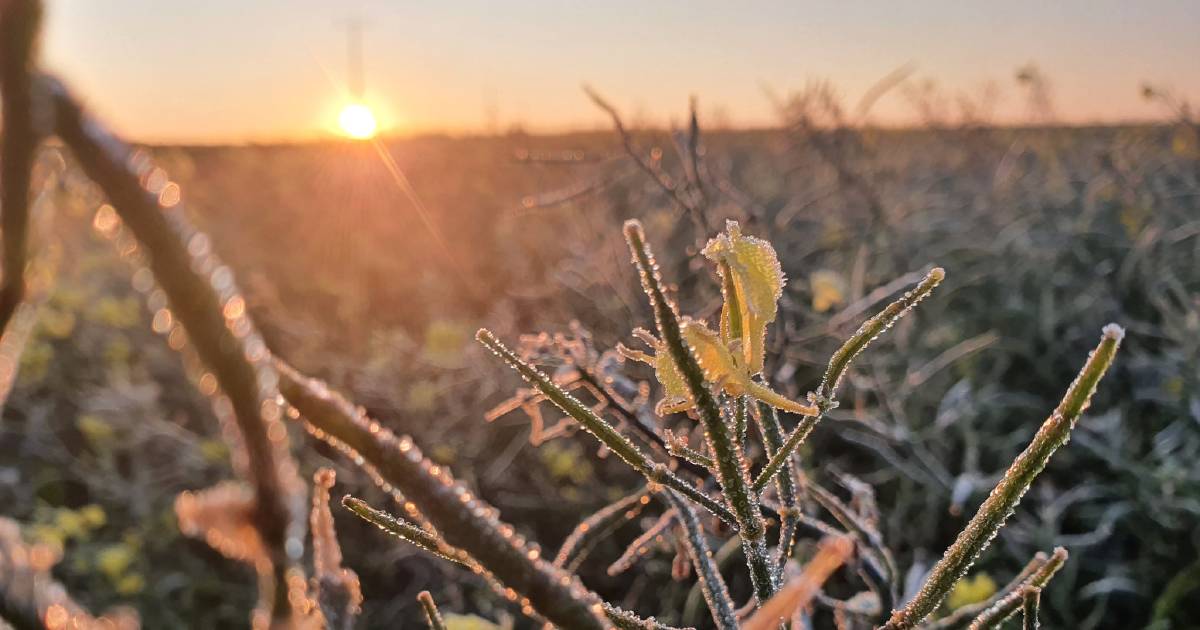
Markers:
(19, 20)
(464, 521)
(204, 299)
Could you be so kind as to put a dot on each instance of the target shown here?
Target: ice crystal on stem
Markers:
(999, 505)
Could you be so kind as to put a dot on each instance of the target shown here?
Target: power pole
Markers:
(354, 58)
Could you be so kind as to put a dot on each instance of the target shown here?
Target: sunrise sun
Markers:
(357, 121)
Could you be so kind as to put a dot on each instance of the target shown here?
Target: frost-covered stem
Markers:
(782, 455)
(999, 612)
(403, 530)
(19, 20)
(1030, 604)
(1004, 498)
(826, 395)
(337, 589)
(1027, 597)
(740, 421)
(597, 527)
(640, 544)
(711, 582)
(1043, 574)
(963, 615)
(731, 469)
(796, 595)
(685, 453)
(785, 484)
(432, 615)
(879, 567)
(597, 426)
(636, 420)
(426, 541)
(871, 329)
(625, 620)
(463, 521)
(198, 293)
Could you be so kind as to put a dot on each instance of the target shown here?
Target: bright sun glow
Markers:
(357, 121)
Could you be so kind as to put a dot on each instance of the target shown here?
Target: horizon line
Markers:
(329, 137)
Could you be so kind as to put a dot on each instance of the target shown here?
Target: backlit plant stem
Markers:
(403, 530)
(826, 394)
(463, 521)
(711, 582)
(596, 527)
(785, 484)
(432, 615)
(1032, 598)
(964, 614)
(597, 426)
(731, 469)
(1004, 498)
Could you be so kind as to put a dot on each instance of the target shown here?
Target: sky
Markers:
(268, 70)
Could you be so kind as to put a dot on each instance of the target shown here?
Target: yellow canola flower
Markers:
(752, 283)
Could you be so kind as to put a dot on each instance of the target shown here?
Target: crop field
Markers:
(821, 373)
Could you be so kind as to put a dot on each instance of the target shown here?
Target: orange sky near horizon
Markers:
(225, 71)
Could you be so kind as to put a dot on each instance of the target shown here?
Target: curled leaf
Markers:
(721, 367)
(752, 282)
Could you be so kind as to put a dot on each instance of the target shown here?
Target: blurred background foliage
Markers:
(1046, 232)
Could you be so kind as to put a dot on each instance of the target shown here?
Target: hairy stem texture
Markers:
(1004, 498)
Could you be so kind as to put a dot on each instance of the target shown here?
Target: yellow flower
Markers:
(752, 282)
(828, 290)
(131, 584)
(114, 560)
(972, 590)
(93, 515)
(468, 622)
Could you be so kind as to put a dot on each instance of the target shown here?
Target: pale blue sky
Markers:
(224, 70)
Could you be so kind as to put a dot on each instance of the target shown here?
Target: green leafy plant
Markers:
(443, 517)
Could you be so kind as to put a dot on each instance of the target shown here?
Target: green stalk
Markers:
(1032, 600)
(711, 582)
(826, 394)
(1005, 607)
(731, 469)
(963, 615)
(740, 421)
(607, 434)
(785, 484)
(870, 330)
(974, 538)
(405, 531)
(782, 455)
